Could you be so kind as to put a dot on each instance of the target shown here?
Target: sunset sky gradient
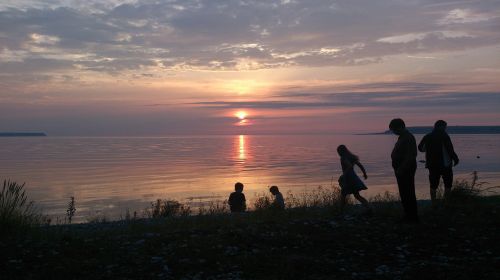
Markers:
(140, 68)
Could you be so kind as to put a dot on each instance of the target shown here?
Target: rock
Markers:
(156, 259)
(140, 242)
(382, 269)
(231, 250)
(348, 218)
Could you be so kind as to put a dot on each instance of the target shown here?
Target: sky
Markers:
(152, 68)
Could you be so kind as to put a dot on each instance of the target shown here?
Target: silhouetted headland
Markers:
(22, 134)
(450, 129)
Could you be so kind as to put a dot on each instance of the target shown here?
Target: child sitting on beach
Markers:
(237, 201)
(279, 202)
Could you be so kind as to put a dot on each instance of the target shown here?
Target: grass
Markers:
(163, 208)
(471, 189)
(16, 211)
(309, 240)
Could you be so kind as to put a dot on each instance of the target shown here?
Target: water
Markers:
(109, 175)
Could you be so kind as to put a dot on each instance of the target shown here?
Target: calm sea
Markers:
(108, 175)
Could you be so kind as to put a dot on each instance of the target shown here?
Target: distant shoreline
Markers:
(450, 130)
(22, 134)
(478, 130)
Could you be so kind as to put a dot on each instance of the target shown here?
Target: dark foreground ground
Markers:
(459, 241)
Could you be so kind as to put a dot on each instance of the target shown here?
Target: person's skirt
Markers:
(350, 183)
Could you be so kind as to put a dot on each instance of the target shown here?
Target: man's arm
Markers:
(421, 145)
(450, 150)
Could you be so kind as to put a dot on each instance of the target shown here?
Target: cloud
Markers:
(242, 35)
(422, 99)
(465, 16)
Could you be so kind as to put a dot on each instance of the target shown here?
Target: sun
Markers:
(241, 115)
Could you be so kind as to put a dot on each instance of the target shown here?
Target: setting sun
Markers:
(241, 115)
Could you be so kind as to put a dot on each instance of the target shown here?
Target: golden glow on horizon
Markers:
(242, 87)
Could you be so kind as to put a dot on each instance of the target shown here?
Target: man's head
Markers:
(397, 126)
(440, 125)
(238, 187)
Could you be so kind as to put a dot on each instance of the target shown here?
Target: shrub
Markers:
(97, 219)
(319, 197)
(15, 209)
(465, 189)
(70, 212)
(385, 197)
(316, 198)
(214, 208)
(167, 208)
(262, 203)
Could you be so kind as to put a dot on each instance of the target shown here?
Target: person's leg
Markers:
(364, 202)
(447, 180)
(403, 193)
(434, 176)
(361, 199)
(413, 210)
(406, 185)
(343, 202)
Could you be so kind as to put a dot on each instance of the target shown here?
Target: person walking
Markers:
(440, 156)
(349, 181)
(404, 162)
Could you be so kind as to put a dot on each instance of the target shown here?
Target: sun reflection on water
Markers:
(241, 154)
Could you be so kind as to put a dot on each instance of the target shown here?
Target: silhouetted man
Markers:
(439, 158)
(404, 162)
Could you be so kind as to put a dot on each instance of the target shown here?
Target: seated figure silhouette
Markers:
(279, 202)
(237, 201)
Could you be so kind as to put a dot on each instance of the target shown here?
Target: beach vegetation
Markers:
(71, 210)
(162, 208)
(16, 210)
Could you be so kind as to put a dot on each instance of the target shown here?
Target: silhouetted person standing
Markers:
(404, 162)
(439, 158)
(237, 201)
